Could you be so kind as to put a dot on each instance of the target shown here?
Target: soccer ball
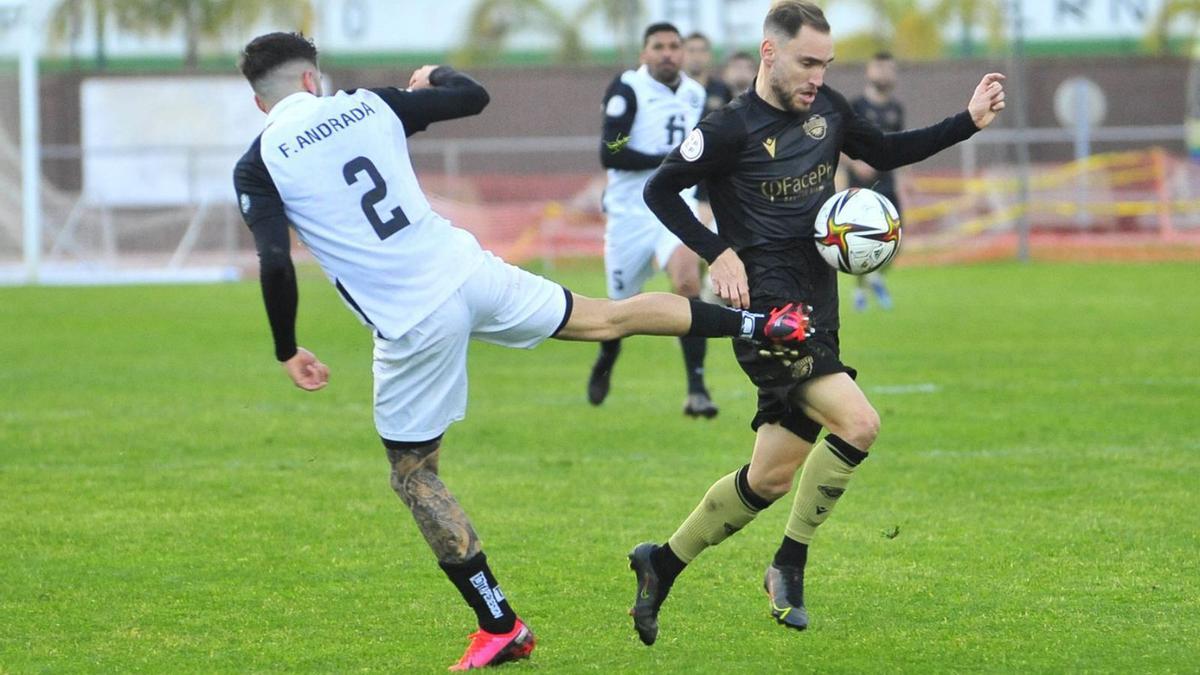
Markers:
(857, 231)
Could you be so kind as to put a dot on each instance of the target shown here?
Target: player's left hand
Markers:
(420, 78)
(306, 370)
(987, 100)
(729, 279)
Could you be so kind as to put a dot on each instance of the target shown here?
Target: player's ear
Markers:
(766, 52)
(311, 80)
(259, 102)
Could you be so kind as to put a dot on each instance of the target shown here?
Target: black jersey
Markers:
(716, 95)
(888, 116)
(768, 172)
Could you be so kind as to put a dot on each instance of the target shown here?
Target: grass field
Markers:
(172, 504)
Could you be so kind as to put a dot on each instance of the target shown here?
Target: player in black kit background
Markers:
(878, 105)
(769, 159)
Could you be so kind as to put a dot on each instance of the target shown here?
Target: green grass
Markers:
(171, 503)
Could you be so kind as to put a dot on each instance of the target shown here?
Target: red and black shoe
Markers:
(492, 649)
(789, 324)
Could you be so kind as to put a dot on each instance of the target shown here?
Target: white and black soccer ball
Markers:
(857, 231)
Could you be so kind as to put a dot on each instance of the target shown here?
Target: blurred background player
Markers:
(739, 72)
(337, 169)
(647, 112)
(878, 105)
(698, 64)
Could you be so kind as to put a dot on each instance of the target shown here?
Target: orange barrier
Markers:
(1141, 205)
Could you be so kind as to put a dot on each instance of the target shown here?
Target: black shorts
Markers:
(777, 382)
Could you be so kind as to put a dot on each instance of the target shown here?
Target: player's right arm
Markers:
(262, 209)
(889, 151)
(709, 151)
(435, 94)
(620, 110)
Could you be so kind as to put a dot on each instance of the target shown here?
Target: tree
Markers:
(494, 22)
(1173, 12)
(201, 19)
(991, 15)
(70, 18)
(913, 30)
(198, 19)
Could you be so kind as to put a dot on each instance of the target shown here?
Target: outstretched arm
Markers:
(886, 152)
(434, 94)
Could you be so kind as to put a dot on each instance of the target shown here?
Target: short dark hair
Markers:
(697, 35)
(660, 27)
(789, 16)
(742, 55)
(267, 52)
(883, 55)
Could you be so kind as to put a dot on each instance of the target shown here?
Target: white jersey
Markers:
(342, 170)
(658, 119)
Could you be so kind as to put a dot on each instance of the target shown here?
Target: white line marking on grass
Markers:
(44, 415)
(922, 388)
(1107, 451)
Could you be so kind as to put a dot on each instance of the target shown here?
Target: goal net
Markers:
(130, 193)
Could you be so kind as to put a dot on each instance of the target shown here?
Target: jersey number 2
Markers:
(372, 197)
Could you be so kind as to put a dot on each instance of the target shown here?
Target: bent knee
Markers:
(773, 482)
(861, 428)
(772, 488)
(595, 319)
(408, 459)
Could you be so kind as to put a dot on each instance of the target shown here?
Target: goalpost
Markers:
(95, 234)
(28, 18)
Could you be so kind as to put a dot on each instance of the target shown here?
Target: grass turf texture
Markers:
(172, 504)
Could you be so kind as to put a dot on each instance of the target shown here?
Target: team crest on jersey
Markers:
(803, 368)
(815, 127)
(244, 201)
(693, 146)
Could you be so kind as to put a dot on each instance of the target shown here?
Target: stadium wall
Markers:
(526, 179)
(565, 102)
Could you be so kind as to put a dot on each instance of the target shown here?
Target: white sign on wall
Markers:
(157, 141)
(1089, 19)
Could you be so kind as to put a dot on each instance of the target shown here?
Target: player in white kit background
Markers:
(337, 170)
(647, 112)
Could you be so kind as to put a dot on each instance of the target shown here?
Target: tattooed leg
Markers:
(441, 520)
